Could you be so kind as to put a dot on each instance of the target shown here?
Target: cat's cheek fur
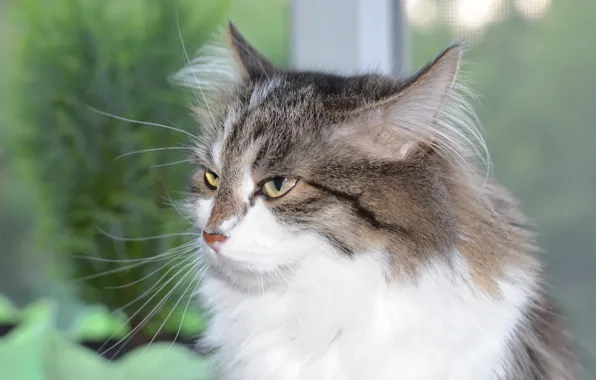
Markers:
(350, 323)
(259, 244)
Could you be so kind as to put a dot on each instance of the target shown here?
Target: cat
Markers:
(350, 231)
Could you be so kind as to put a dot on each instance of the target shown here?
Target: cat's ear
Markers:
(426, 92)
(252, 63)
(407, 121)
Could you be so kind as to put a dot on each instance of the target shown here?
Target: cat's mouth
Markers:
(245, 275)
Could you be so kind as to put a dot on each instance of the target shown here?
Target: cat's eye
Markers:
(211, 179)
(279, 186)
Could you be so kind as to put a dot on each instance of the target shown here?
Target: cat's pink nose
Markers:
(215, 241)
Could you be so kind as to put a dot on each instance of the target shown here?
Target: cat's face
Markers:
(297, 164)
(267, 179)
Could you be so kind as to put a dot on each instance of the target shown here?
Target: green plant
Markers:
(35, 350)
(22, 351)
(8, 312)
(104, 181)
(98, 324)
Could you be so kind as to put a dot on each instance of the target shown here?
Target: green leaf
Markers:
(96, 323)
(42, 313)
(163, 361)
(158, 362)
(70, 361)
(8, 312)
(22, 351)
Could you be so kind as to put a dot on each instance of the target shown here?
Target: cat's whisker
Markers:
(134, 263)
(140, 325)
(190, 298)
(206, 103)
(173, 308)
(180, 37)
(202, 271)
(104, 260)
(147, 123)
(176, 126)
(125, 340)
(157, 307)
(108, 272)
(157, 283)
(155, 237)
(174, 204)
(150, 259)
(150, 274)
(171, 163)
(183, 148)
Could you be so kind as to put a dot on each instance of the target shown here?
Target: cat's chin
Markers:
(245, 277)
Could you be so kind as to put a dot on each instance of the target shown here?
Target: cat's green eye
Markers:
(279, 186)
(211, 179)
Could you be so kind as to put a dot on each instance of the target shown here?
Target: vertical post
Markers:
(401, 38)
(349, 36)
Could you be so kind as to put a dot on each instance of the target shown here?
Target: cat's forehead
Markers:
(274, 116)
(331, 92)
(267, 118)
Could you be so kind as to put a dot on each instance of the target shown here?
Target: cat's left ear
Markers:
(406, 121)
(252, 63)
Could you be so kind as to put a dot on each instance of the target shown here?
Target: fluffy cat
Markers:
(351, 233)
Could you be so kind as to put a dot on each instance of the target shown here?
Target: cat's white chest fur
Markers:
(340, 320)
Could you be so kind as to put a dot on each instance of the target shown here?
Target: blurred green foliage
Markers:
(8, 312)
(22, 350)
(16, 214)
(75, 170)
(103, 186)
(96, 323)
(35, 350)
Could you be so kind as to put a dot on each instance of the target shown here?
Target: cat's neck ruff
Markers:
(340, 318)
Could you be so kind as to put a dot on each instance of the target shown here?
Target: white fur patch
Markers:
(230, 121)
(260, 243)
(338, 319)
(228, 224)
(248, 187)
(203, 211)
(217, 155)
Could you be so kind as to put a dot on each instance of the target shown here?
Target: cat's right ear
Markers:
(252, 63)
(407, 122)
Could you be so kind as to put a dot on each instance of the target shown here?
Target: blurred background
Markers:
(93, 143)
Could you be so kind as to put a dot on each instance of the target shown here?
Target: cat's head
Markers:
(292, 164)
